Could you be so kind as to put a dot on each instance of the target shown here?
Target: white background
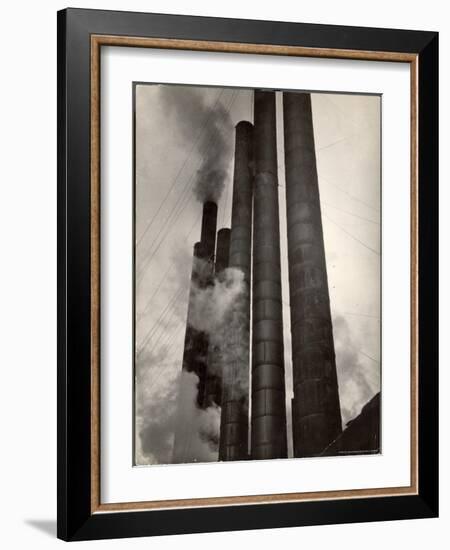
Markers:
(120, 482)
(28, 275)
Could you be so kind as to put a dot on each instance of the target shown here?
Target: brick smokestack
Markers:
(268, 434)
(316, 415)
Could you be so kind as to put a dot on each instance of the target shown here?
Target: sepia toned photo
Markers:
(257, 287)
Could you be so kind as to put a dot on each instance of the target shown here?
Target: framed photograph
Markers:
(247, 270)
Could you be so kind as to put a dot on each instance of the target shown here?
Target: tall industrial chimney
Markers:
(196, 342)
(213, 383)
(234, 415)
(268, 433)
(316, 415)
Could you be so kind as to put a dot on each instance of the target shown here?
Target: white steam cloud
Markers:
(356, 387)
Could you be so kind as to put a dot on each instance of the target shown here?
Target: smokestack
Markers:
(213, 383)
(234, 414)
(196, 342)
(316, 415)
(268, 434)
(208, 234)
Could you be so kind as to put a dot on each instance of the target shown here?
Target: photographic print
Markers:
(257, 284)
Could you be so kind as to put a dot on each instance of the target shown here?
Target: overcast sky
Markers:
(178, 130)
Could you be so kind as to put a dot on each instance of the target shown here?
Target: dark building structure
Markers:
(316, 416)
(234, 413)
(361, 435)
(268, 433)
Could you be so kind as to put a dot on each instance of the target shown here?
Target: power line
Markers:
(151, 332)
(168, 336)
(165, 228)
(143, 312)
(332, 144)
(343, 113)
(162, 366)
(192, 227)
(367, 355)
(321, 178)
(164, 330)
(361, 315)
(352, 236)
(350, 213)
(163, 278)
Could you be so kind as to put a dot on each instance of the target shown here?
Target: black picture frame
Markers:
(76, 521)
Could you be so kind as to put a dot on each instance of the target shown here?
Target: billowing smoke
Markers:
(212, 305)
(220, 311)
(356, 385)
(207, 126)
(160, 413)
(215, 312)
(199, 431)
(155, 403)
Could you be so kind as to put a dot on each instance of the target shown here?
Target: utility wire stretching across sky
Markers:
(161, 367)
(165, 331)
(163, 278)
(159, 320)
(156, 325)
(367, 355)
(361, 315)
(321, 178)
(350, 235)
(349, 213)
(163, 325)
